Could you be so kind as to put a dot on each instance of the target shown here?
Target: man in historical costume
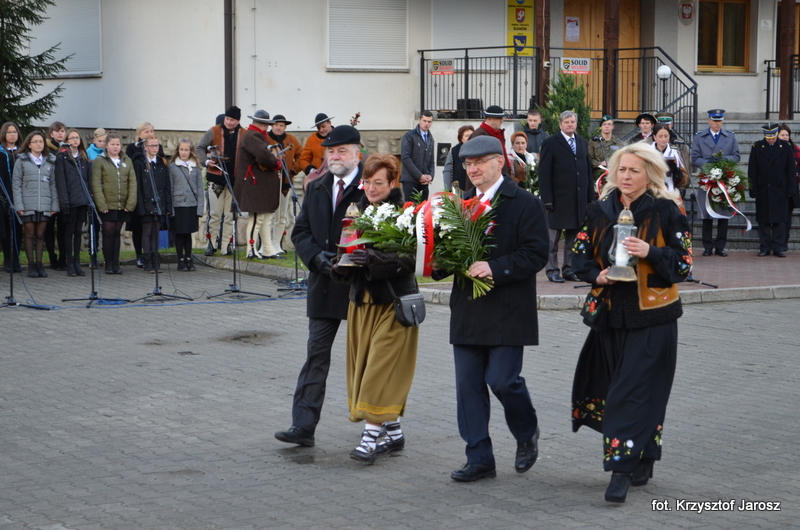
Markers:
(602, 147)
(771, 172)
(566, 186)
(224, 140)
(283, 222)
(491, 126)
(258, 186)
(417, 154)
(534, 132)
(316, 233)
(645, 122)
(489, 333)
(312, 157)
(713, 144)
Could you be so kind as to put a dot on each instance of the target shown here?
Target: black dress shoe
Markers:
(706, 253)
(389, 444)
(618, 487)
(556, 278)
(571, 278)
(527, 454)
(779, 254)
(296, 435)
(762, 253)
(369, 457)
(720, 253)
(643, 472)
(473, 472)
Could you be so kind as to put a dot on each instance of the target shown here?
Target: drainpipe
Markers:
(229, 53)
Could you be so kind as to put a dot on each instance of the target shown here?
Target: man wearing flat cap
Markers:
(491, 126)
(312, 157)
(488, 333)
(713, 144)
(220, 140)
(316, 234)
(258, 186)
(645, 122)
(283, 221)
(602, 147)
(771, 172)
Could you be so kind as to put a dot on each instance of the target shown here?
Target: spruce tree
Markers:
(566, 93)
(20, 70)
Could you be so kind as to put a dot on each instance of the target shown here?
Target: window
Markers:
(76, 25)
(723, 35)
(368, 35)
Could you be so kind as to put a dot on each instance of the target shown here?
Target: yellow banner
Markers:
(520, 27)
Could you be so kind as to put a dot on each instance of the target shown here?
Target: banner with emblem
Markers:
(520, 28)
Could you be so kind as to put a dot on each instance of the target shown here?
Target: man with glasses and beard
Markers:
(316, 234)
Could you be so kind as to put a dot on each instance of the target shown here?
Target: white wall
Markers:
(156, 58)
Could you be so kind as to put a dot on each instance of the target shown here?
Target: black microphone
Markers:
(211, 147)
(596, 138)
(282, 150)
(274, 146)
(140, 142)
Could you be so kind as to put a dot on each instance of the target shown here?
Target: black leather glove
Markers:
(359, 257)
(548, 206)
(322, 262)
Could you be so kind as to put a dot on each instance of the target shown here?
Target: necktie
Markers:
(339, 191)
(572, 146)
(480, 197)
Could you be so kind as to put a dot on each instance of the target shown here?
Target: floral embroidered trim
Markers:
(616, 449)
(581, 240)
(589, 408)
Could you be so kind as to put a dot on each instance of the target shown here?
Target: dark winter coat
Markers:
(506, 315)
(69, 173)
(535, 138)
(258, 182)
(417, 156)
(565, 181)
(318, 227)
(771, 172)
(34, 187)
(381, 268)
(148, 200)
(113, 188)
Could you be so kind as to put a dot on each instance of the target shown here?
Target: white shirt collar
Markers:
(347, 180)
(565, 136)
(489, 194)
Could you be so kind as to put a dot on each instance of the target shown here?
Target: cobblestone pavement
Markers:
(161, 415)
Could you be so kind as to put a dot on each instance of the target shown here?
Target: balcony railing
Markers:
(773, 90)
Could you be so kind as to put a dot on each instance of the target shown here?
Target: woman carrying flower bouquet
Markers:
(381, 353)
(626, 367)
(522, 160)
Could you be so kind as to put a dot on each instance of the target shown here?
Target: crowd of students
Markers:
(52, 179)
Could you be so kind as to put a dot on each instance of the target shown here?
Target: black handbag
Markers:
(409, 309)
(595, 310)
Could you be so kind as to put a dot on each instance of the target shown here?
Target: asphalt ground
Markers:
(161, 414)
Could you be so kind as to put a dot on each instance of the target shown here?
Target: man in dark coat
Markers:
(488, 333)
(258, 185)
(771, 172)
(316, 233)
(713, 144)
(566, 187)
(417, 155)
(534, 132)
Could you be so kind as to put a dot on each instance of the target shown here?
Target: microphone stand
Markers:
(234, 288)
(159, 213)
(296, 286)
(12, 217)
(93, 297)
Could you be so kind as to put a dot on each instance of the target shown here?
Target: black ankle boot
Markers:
(618, 487)
(40, 270)
(643, 472)
(33, 271)
(76, 262)
(71, 268)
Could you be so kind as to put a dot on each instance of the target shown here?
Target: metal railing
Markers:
(639, 89)
(773, 90)
(592, 81)
(509, 81)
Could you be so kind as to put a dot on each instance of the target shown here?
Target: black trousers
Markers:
(410, 188)
(718, 244)
(497, 367)
(310, 392)
(772, 236)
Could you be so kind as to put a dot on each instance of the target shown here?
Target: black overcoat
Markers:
(771, 171)
(565, 181)
(318, 227)
(506, 315)
(145, 197)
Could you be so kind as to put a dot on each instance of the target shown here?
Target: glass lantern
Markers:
(349, 234)
(621, 262)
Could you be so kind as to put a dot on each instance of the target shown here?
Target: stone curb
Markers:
(546, 302)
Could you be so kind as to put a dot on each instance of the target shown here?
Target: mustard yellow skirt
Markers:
(381, 359)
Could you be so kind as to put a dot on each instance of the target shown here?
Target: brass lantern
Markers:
(621, 262)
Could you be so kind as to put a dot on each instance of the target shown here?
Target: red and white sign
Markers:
(442, 67)
(576, 66)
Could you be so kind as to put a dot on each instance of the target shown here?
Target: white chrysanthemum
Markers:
(716, 172)
(734, 181)
(405, 221)
(716, 191)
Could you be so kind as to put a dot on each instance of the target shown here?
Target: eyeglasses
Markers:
(74, 138)
(153, 146)
(479, 163)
